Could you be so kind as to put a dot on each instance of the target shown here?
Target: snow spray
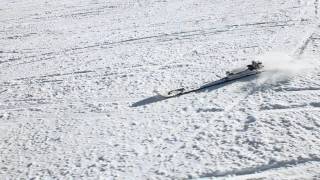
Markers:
(281, 67)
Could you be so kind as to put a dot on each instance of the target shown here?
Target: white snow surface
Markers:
(77, 82)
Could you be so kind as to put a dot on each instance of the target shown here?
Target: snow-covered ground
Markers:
(77, 81)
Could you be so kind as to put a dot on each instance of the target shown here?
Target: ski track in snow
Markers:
(77, 81)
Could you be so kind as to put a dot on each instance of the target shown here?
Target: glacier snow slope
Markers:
(77, 81)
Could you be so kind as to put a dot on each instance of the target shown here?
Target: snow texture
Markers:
(78, 82)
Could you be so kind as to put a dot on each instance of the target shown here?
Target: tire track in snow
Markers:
(304, 45)
(114, 74)
(261, 168)
(77, 13)
(316, 8)
(312, 106)
(183, 34)
(299, 99)
(297, 89)
(166, 37)
(3, 91)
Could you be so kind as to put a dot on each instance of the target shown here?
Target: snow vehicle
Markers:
(252, 69)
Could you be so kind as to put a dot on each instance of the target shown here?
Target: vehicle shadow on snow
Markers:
(215, 85)
(149, 100)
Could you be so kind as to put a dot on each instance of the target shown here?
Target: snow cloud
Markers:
(281, 66)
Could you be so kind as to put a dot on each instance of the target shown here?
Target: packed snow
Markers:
(78, 82)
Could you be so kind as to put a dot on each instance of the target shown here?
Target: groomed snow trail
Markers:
(77, 81)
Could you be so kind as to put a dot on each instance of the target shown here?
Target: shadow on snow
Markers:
(205, 88)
